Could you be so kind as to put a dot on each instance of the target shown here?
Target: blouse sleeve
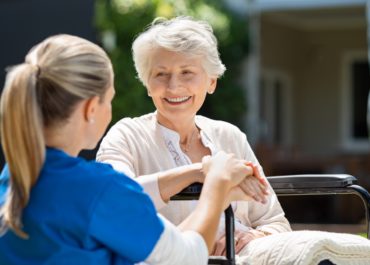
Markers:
(125, 221)
(115, 150)
(267, 217)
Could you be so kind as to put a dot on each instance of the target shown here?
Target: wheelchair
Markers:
(287, 185)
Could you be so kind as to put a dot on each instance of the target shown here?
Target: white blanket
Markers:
(306, 248)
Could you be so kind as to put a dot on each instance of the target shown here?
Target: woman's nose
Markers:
(173, 82)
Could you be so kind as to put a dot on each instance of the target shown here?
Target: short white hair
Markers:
(180, 34)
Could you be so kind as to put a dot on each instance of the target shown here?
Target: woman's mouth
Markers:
(177, 100)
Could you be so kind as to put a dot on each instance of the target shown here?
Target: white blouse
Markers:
(180, 158)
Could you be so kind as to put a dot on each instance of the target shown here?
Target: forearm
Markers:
(172, 181)
(161, 186)
(205, 218)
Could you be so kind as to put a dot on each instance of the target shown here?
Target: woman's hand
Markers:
(257, 174)
(225, 168)
(243, 178)
(255, 186)
(241, 239)
(254, 190)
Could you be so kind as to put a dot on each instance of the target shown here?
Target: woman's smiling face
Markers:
(178, 85)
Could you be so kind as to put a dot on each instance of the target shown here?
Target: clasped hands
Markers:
(243, 177)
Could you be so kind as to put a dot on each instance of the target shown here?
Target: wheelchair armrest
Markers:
(191, 192)
(307, 181)
(313, 181)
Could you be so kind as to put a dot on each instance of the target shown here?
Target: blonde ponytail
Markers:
(22, 140)
(42, 93)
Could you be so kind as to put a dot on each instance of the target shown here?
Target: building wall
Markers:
(313, 60)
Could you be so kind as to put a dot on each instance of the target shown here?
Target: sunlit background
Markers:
(297, 79)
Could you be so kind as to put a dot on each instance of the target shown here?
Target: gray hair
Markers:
(181, 34)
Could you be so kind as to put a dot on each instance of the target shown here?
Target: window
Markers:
(360, 88)
(356, 88)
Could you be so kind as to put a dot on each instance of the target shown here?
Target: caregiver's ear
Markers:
(90, 108)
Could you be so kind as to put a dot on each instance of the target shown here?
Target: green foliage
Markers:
(125, 19)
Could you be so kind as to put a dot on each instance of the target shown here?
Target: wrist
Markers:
(216, 192)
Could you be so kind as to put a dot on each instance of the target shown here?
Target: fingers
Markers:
(243, 239)
(260, 191)
(252, 188)
(219, 248)
(248, 189)
(257, 174)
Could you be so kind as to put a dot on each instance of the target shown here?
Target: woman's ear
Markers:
(212, 86)
(90, 109)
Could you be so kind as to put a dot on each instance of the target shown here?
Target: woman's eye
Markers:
(187, 72)
(162, 75)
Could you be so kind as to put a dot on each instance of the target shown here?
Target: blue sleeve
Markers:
(125, 220)
(4, 183)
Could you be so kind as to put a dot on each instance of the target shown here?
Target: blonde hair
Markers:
(180, 34)
(42, 92)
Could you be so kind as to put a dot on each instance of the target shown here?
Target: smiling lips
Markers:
(178, 100)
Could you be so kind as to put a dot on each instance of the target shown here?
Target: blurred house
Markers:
(308, 81)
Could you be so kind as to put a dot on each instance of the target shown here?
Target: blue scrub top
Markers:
(82, 212)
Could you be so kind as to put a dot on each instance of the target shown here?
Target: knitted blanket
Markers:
(306, 248)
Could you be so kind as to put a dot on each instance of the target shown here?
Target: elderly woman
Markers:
(178, 62)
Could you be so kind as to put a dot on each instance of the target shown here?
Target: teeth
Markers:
(180, 99)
